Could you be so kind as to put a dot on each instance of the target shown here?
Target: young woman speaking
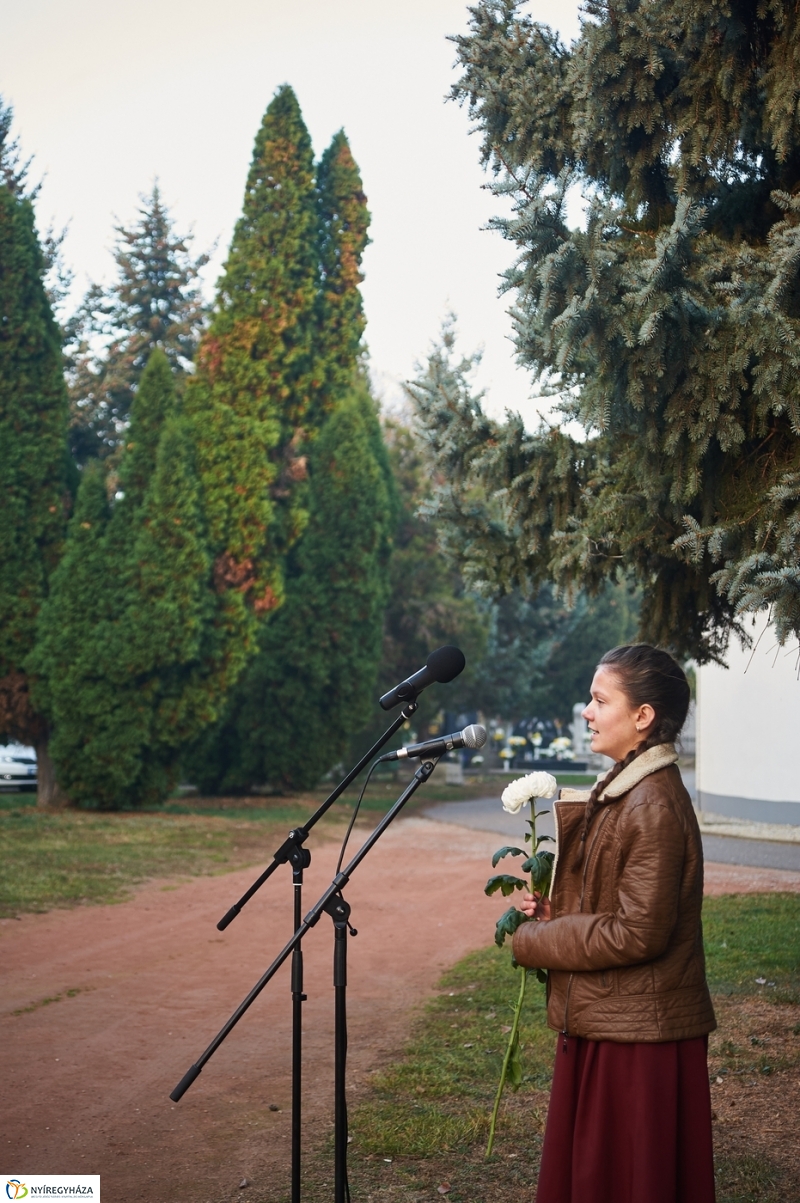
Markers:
(630, 1110)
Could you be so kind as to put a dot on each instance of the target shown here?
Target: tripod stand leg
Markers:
(297, 1063)
(300, 860)
(341, 1191)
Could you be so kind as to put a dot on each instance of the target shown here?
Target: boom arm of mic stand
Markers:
(339, 882)
(298, 835)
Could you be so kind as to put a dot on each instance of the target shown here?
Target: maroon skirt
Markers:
(628, 1123)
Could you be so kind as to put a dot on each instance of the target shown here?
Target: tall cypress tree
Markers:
(299, 661)
(257, 379)
(222, 501)
(308, 689)
(34, 471)
(669, 324)
(125, 649)
(344, 222)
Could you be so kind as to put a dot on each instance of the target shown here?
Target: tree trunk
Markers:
(49, 795)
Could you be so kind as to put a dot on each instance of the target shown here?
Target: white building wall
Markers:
(748, 731)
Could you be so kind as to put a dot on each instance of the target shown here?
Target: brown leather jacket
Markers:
(625, 944)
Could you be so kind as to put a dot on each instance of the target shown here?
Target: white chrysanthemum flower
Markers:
(535, 785)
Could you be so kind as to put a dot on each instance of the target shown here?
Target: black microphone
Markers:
(473, 736)
(442, 666)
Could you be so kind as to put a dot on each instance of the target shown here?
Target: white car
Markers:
(17, 768)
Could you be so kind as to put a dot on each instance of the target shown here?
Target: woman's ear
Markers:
(645, 717)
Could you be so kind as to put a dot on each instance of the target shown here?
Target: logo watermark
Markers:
(53, 1186)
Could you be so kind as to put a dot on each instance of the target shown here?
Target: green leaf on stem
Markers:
(541, 870)
(508, 850)
(505, 883)
(507, 924)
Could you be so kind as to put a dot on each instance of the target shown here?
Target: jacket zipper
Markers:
(589, 856)
(565, 1029)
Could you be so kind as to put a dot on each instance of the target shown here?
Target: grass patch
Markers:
(750, 1179)
(45, 1002)
(428, 1110)
(751, 936)
(55, 859)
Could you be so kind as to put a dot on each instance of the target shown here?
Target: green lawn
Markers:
(750, 936)
(61, 859)
(55, 859)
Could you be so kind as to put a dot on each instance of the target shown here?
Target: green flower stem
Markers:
(514, 1034)
(503, 1073)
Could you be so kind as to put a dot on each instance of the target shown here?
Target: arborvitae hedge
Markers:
(126, 646)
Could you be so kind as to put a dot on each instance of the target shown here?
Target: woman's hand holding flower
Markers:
(536, 907)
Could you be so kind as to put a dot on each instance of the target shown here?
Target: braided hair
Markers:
(646, 675)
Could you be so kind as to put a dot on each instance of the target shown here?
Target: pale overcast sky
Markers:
(107, 96)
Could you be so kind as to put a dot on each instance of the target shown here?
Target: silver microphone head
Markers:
(474, 736)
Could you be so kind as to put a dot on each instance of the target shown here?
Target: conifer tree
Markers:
(428, 605)
(309, 687)
(257, 380)
(154, 303)
(541, 653)
(294, 660)
(126, 655)
(343, 226)
(668, 325)
(34, 472)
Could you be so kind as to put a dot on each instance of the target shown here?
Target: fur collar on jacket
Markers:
(649, 762)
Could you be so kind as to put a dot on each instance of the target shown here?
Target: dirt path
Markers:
(142, 987)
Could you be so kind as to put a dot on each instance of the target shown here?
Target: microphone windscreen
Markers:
(474, 736)
(445, 663)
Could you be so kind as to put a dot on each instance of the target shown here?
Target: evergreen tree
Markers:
(668, 325)
(428, 606)
(154, 303)
(344, 222)
(511, 678)
(126, 654)
(310, 686)
(12, 170)
(34, 472)
(257, 379)
(298, 658)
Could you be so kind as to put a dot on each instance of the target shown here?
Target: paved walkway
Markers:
(487, 814)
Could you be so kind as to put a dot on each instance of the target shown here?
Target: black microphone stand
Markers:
(293, 852)
(298, 835)
(334, 904)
